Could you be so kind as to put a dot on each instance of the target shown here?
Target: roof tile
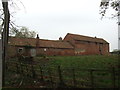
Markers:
(86, 38)
(42, 43)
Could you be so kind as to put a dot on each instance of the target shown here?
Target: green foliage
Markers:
(22, 32)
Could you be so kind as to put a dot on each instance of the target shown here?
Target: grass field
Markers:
(84, 62)
(67, 64)
(98, 61)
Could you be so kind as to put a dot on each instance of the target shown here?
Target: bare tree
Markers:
(14, 6)
(4, 29)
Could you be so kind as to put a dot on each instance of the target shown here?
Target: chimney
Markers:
(37, 36)
(37, 41)
(60, 39)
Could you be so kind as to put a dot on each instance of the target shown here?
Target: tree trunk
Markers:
(5, 38)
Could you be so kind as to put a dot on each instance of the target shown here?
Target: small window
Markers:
(20, 50)
(45, 49)
(88, 41)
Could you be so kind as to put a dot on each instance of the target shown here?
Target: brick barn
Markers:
(84, 45)
(72, 44)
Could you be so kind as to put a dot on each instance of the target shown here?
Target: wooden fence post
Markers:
(74, 80)
(27, 70)
(21, 67)
(33, 71)
(113, 76)
(17, 68)
(41, 74)
(92, 78)
(61, 83)
(50, 76)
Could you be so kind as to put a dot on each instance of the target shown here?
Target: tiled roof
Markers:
(22, 41)
(54, 44)
(86, 38)
(42, 43)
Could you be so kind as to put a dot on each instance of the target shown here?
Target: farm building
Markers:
(84, 45)
(72, 44)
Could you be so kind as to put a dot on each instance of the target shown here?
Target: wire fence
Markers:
(40, 76)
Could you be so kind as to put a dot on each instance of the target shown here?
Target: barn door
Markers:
(33, 52)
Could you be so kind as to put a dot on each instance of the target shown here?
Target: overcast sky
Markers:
(52, 19)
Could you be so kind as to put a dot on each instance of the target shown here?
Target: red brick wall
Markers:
(85, 48)
(92, 48)
(70, 40)
(13, 51)
(55, 51)
(88, 48)
(105, 49)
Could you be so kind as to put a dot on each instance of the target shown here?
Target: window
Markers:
(45, 49)
(88, 41)
(33, 52)
(20, 50)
